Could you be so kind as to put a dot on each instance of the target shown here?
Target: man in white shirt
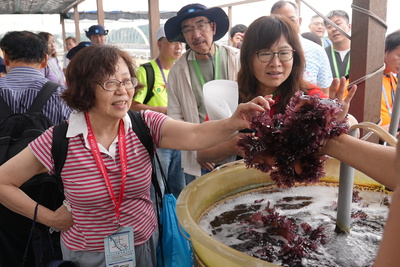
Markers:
(339, 52)
(317, 71)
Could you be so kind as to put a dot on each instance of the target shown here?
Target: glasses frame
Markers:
(190, 31)
(275, 53)
(316, 23)
(133, 80)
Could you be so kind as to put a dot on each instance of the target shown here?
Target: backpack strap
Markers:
(38, 102)
(5, 109)
(59, 150)
(44, 94)
(150, 81)
(143, 132)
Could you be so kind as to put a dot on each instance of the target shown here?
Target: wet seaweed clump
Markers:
(292, 139)
(296, 242)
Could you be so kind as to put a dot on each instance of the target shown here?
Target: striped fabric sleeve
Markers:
(41, 148)
(155, 121)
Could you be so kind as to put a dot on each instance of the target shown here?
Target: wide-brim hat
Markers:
(173, 30)
(96, 29)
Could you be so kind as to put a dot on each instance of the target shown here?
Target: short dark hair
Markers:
(392, 41)
(315, 17)
(283, 3)
(71, 38)
(237, 28)
(91, 65)
(24, 46)
(338, 13)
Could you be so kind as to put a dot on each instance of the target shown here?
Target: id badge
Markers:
(119, 248)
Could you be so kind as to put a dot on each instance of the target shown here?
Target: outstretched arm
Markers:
(221, 151)
(190, 136)
(227, 148)
(376, 161)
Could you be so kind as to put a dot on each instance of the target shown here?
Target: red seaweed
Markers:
(299, 243)
(293, 139)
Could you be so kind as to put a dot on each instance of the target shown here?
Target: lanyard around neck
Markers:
(216, 70)
(335, 65)
(100, 163)
(162, 72)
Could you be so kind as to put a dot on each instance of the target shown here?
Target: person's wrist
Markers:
(329, 144)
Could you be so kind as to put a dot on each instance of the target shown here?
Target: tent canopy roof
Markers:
(37, 6)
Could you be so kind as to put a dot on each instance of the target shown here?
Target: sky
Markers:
(244, 14)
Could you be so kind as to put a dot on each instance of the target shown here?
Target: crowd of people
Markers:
(107, 173)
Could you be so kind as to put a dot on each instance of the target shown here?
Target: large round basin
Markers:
(231, 179)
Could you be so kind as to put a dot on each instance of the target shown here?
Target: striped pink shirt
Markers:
(85, 188)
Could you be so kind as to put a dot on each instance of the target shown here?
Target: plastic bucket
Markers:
(231, 179)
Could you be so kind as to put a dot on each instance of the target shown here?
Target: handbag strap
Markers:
(24, 258)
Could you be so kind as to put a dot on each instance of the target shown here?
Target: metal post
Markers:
(346, 181)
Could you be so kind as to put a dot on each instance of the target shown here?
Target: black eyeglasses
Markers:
(267, 56)
(201, 26)
(114, 84)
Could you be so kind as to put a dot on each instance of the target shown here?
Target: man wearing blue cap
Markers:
(199, 27)
(97, 34)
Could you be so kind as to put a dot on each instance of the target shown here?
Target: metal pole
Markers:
(346, 181)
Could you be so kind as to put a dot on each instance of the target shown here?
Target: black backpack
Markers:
(16, 131)
(150, 81)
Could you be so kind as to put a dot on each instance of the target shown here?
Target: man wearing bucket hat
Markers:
(97, 34)
(199, 27)
(154, 96)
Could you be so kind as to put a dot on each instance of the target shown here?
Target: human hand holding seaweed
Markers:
(287, 144)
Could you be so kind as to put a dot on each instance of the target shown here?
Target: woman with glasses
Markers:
(272, 64)
(107, 172)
